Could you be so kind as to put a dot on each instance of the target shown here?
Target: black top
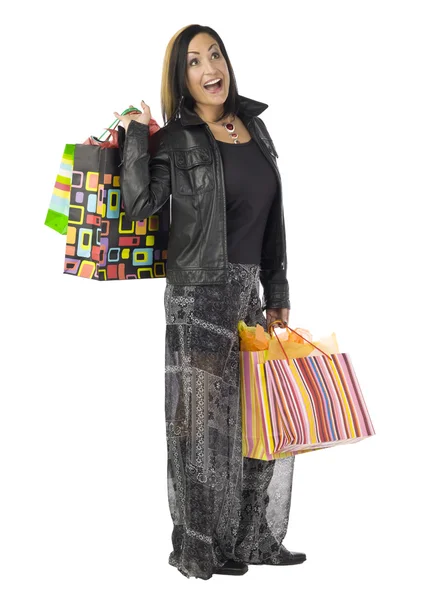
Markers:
(250, 186)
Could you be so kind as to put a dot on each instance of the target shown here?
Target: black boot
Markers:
(285, 557)
(232, 567)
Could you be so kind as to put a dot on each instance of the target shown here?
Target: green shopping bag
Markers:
(58, 210)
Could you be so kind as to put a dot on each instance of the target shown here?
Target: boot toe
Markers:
(232, 567)
(286, 557)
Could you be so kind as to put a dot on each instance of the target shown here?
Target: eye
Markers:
(193, 59)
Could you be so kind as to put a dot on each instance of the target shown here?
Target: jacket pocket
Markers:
(194, 173)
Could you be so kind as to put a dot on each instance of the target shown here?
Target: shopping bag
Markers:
(58, 209)
(86, 205)
(298, 405)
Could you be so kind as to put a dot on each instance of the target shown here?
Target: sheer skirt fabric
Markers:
(223, 505)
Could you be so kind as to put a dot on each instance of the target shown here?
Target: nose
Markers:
(209, 69)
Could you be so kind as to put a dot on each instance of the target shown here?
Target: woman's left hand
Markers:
(277, 314)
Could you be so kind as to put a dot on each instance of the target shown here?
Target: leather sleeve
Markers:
(276, 289)
(274, 281)
(145, 170)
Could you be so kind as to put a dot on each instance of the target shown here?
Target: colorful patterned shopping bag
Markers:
(86, 206)
(300, 405)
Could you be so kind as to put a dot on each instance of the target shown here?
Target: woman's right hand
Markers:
(143, 117)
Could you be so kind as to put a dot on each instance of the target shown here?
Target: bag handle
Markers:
(117, 121)
(288, 327)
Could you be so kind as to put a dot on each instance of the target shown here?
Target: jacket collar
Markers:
(248, 107)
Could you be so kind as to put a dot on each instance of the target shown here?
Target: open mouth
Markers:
(214, 87)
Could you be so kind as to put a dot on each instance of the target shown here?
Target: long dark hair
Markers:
(173, 82)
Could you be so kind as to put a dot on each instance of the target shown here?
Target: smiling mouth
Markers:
(214, 87)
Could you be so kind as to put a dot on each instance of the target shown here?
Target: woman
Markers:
(216, 160)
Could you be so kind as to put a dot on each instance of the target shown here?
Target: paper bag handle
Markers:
(288, 327)
(126, 111)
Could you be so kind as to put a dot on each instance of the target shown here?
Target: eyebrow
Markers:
(193, 52)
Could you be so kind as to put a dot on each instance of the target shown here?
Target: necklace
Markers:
(230, 128)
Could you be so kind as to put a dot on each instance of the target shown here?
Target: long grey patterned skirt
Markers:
(223, 505)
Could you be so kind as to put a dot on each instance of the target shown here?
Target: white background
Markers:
(83, 503)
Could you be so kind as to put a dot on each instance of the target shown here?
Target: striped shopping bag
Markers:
(298, 405)
(58, 209)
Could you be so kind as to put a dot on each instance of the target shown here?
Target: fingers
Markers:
(143, 117)
(278, 323)
(118, 116)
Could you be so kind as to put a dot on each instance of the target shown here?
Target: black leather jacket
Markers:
(183, 160)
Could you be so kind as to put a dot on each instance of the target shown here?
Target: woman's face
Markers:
(205, 62)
